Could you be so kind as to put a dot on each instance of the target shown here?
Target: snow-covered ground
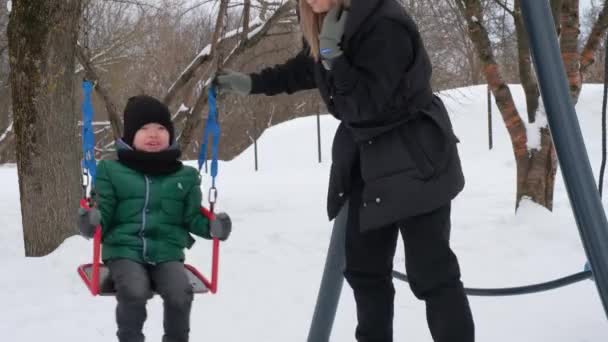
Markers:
(271, 266)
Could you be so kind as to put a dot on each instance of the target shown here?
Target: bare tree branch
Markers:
(569, 45)
(140, 4)
(246, 13)
(594, 40)
(194, 7)
(103, 92)
(220, 30)
(204, 56)
(195, 117)
(505, 6)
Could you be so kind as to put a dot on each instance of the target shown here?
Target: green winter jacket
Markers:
(148, 219)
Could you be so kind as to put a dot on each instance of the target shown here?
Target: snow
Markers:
(6, 132)
(9, 5)
(271, 266)
(183, 108)
(533, 129)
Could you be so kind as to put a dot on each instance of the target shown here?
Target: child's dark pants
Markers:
(134, 283)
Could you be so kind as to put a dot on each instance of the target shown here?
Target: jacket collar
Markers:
(358, 13)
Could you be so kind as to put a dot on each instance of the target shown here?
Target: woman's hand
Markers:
(331, 35)
(233, 82)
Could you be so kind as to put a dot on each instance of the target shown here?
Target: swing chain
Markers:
(213, 195)
(86, 180)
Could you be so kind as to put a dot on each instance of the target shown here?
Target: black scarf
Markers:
(151, 163)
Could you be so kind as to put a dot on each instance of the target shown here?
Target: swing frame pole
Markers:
(331, 282)
(319, 136)
(490, 135)
(568, 139)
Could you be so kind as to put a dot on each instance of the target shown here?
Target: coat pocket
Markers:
(385, 155)
(431, 141)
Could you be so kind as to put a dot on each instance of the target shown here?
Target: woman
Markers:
(394, 156)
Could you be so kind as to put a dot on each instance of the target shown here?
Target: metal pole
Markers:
(319, 135)
(569, 144)
(255, 140)
(490, 141)
(331, 283)
(605, 98)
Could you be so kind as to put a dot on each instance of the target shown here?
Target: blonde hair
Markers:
(311, 22)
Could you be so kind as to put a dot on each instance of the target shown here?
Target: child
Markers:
(148, 203)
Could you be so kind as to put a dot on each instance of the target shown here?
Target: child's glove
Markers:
(88, 220)
(221, 227)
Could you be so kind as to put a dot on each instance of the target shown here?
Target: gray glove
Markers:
(233, 81)
(331, 35)
(221, 226)
(88, 220)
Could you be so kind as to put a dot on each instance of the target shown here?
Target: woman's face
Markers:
(321, 6)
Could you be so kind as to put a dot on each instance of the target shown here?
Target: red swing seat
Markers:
(96, 275)
(200, 284)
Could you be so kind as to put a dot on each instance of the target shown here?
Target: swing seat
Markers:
(96, 275)
(200, 285)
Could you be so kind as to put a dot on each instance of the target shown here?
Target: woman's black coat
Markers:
(393, 129)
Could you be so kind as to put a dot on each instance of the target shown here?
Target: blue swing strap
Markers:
(88, 164)
(212, 130)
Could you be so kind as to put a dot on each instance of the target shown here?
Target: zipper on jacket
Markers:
(331, 91)
(143, 217)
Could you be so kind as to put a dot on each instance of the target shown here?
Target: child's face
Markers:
(151, 137)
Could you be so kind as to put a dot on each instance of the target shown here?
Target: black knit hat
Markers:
(142, 110)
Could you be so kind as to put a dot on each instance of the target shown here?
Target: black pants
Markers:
(134, 283)
(431, 266)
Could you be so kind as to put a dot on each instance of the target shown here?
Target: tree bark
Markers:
(220, 30)
(526, 74)
(595, 38)
(246, 14)
(42, 35)
(535, 171)
(556, 10)
(570, 30)
(7, 137)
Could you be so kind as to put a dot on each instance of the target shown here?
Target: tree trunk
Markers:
(7, 138)
(528, 81)
(42, 36)
(556, 10)
(541, 169)
(595, 38)
(535, 172)
(570, 30)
